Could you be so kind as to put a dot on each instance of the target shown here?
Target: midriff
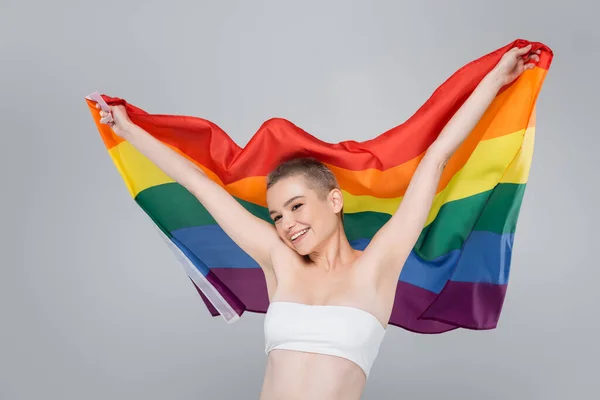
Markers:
(300, 375)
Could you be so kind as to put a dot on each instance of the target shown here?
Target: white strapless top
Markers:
(342, 331)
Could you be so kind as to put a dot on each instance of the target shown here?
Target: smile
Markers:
(298, 234)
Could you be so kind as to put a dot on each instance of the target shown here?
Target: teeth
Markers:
(302, 232)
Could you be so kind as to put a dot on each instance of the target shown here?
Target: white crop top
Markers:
(342, 331)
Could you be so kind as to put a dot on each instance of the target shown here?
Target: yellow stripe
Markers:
(138, 172)
(518, 170)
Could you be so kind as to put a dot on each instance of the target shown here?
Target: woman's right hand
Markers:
(118, 119)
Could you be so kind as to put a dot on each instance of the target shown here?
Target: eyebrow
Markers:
(286, 203)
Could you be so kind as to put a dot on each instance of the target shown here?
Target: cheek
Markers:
(308, 216)
(316, 217)
(280, 231)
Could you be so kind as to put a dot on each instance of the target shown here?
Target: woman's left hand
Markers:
(514, 62)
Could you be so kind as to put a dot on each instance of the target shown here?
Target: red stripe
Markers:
(205, 142)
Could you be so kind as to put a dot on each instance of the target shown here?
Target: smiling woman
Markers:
(430, 213)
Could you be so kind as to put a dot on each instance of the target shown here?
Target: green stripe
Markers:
(177, 208)
(172, 207)
(501, 212)
(495, 211)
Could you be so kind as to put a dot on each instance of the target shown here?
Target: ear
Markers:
(336, 200)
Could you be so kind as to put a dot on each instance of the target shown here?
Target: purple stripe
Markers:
(409, 304)
(230, 283)
(459, 305)
(248, 284)
(468, 305)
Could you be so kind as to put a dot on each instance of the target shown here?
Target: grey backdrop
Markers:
(94, 306)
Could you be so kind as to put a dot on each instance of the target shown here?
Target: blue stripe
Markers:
(485, 257)
(214, 247)
(192, 256)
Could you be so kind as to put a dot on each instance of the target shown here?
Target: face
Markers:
(302, 219)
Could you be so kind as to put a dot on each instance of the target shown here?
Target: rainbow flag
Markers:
(458, 271)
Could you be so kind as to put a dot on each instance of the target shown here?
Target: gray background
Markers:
(94, 306)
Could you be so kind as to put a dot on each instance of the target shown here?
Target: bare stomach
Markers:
(299, 375)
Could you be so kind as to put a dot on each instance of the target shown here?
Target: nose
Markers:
(287, 223)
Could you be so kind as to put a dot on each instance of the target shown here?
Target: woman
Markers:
(329, 304)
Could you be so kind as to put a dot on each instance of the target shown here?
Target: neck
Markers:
(334, 253)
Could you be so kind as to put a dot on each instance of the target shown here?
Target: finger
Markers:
(524, 50)
(534, 57)
(98, 106)
(106, 120)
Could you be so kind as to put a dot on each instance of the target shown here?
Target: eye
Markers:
(276, 218)
(296, 206)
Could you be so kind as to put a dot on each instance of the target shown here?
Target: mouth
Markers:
(296, 237)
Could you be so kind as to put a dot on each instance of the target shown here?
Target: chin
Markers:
(301, 251)
(304, 249)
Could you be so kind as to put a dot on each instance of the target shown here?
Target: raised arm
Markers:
(392, 244)
(253, 235)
